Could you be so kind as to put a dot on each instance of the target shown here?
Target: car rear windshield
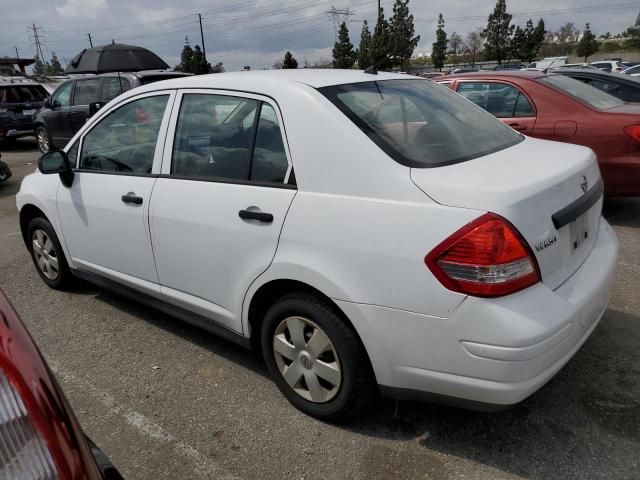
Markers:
(420, 123)
(22, 93)
(583, 92)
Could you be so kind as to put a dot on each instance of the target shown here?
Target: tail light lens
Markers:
(23, 450)
(633, 131)
(485, 258)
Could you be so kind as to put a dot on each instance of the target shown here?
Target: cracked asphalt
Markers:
(165, 400)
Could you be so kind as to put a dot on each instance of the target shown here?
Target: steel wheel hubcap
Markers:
(43, 141)
(45, 254)
(307, 359)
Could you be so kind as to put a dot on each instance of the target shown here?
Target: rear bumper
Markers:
(490, 352)
(621, 175)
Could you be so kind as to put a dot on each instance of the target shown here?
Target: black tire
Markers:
(357, 380)
(63, 279)
(42, 131)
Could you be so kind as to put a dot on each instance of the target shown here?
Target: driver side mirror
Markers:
(56, 161)
(94, 107)
(47, 102)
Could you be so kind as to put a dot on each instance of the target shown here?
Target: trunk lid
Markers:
(527, 184)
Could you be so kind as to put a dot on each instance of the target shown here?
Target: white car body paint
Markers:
(356, 228)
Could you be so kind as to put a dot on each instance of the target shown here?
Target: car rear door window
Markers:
(22, 93)
(113, 86)
(499, 99)
(214, 137)
(125, 140)
(86, 91)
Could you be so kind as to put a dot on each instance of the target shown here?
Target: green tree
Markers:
(526, 43)
(380, 47)
(402, 41)
(289, 61)
(439, 50)
(200, 65)
(364, 50)
(498, 33)
(186, 60)
(217, 68)
(473, 47)
(54, 67)
(40, 67)
(632, 41)
(566, 38)
(588, 45)
(343, 54)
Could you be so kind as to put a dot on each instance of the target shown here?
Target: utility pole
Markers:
(204, 50)
(38, 41)
(17, 54)
(338, 17)
(90, 40)
(378, 9)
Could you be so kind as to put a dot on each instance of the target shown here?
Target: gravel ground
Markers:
(165, 400)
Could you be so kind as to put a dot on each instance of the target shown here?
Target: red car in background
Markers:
(40, 437)
(557, 107)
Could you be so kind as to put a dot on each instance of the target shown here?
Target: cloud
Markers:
(81, 8)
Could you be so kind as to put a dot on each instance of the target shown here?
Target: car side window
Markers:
(125, 140)
(499, 99)
(72, 153)
(86, 91)
(114, 86)
(62, 97)
(269, 158)
(214, 136)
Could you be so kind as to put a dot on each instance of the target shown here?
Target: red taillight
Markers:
(633, 131)
(485, 258)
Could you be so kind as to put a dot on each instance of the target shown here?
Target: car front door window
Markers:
(62, 97)
(125, 140)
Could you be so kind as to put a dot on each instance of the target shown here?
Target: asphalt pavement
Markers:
(166, 400)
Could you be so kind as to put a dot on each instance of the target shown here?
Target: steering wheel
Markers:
(139, 155)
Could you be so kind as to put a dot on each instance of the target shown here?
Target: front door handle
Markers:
(255, 215)
(132, 198)
(518, 127)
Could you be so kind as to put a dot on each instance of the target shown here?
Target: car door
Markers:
(57, 118)
(218, 208)
(504, 100)
(85, 92)
(104, 214)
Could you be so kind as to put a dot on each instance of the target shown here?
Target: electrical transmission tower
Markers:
(38, 41)
(338, 16)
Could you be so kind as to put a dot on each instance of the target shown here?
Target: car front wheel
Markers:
(43, 139)
(314, 358)
(47, 254)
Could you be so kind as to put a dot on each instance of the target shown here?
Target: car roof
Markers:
(263, 81)
(492, 74)
(4, 83)
(597, 73)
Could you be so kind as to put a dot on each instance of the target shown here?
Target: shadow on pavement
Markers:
(624, 212)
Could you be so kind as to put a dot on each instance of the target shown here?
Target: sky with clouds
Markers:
(258, 32)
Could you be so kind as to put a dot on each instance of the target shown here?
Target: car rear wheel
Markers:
(47, 254)
(314, 358)
(43, 139)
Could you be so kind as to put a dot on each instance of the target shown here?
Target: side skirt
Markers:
(177, 312)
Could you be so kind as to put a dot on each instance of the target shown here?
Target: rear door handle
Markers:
(255, 215)
(518, 127)
(132, 198)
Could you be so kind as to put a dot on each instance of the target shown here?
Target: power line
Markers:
(339, 16)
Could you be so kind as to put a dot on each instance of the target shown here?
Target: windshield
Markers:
(583, 92)
(22, 93)
(420, 123)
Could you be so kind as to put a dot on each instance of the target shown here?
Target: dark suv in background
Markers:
(19, 102)
(73, 102)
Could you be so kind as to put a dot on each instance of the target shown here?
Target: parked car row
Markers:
(554, 106)
(27, 109)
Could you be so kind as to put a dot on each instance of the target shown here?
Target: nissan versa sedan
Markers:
(553, 106)
(363, 231)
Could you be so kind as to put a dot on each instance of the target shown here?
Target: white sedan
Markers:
(364, 231)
